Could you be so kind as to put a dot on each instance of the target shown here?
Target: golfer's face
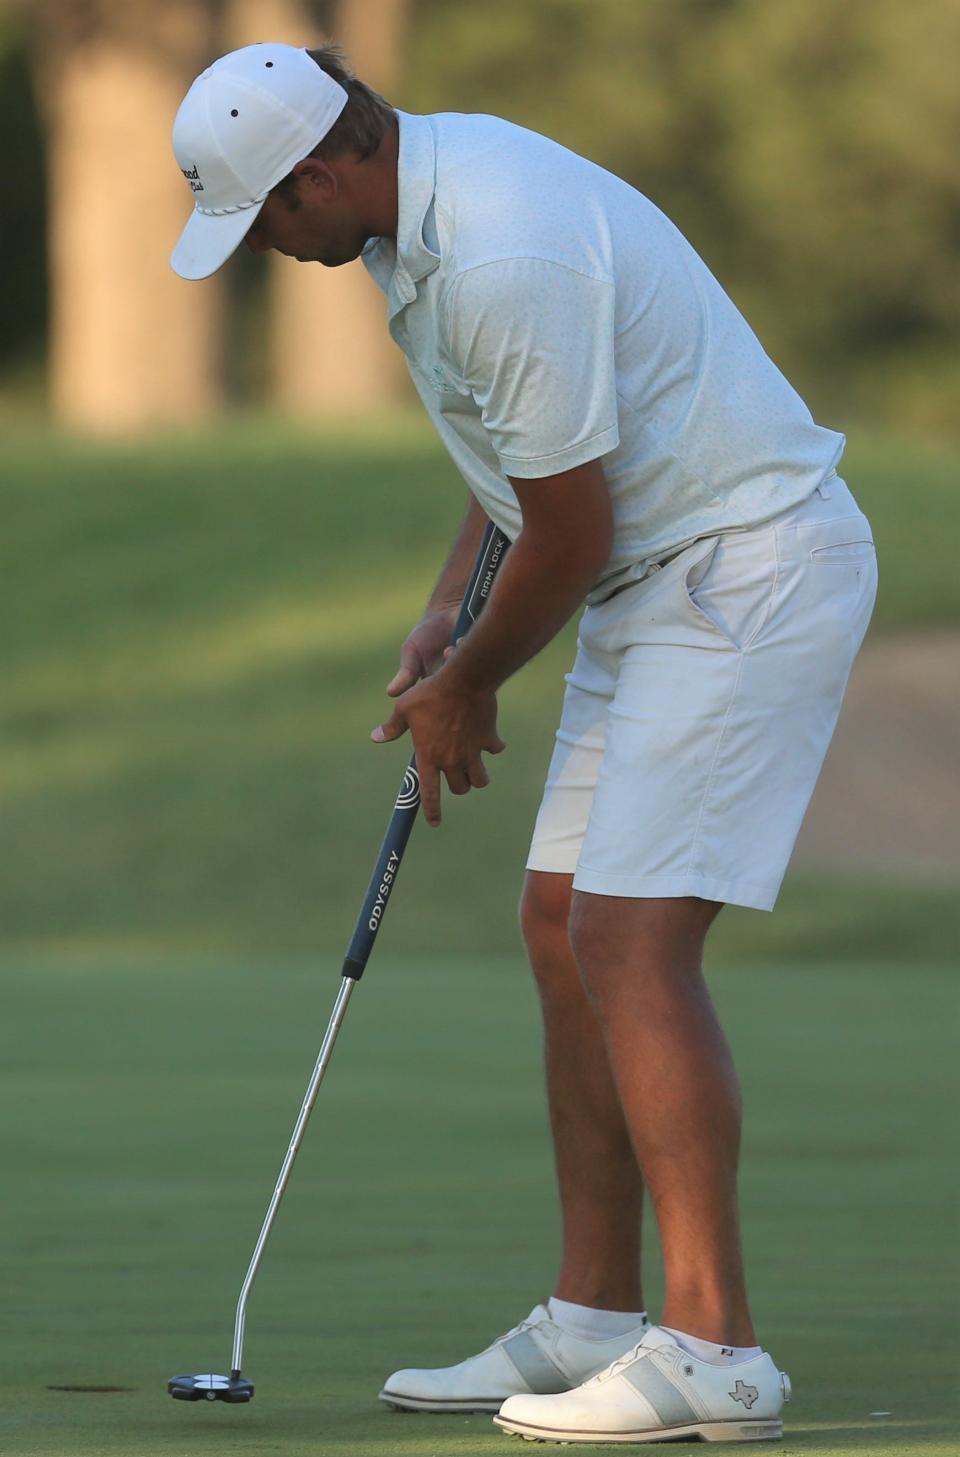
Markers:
(309, 233)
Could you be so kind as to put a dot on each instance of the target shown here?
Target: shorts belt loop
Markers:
(823, 489)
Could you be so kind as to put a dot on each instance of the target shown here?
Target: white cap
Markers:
(243, 125)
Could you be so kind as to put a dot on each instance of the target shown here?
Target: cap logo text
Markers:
(193, 177)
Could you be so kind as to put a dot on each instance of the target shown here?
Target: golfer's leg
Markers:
(641, 963)
(601, 1192)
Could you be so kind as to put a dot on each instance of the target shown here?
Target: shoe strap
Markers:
(648, 1345)
(538, 1316)
(627, 1359)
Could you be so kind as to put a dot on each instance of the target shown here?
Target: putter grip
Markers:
(493, 549)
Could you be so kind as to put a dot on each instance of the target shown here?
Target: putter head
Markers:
(210, 1388)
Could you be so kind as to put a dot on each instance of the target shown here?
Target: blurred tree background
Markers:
(808, 150)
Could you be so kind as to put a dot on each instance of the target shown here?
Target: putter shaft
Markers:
(492, 551)
(309, 1098)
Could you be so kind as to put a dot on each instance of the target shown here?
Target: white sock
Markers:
(710, 1352)
(594, 1325)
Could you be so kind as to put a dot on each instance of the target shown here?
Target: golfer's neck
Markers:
(380, 201)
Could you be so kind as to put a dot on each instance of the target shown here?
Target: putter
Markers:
(235, 1387)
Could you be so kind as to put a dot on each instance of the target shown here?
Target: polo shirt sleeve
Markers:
(534, 343)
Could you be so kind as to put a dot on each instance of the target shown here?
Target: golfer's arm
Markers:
(453, 579)
(566, 539)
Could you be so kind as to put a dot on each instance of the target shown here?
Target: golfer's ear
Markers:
(319, 177)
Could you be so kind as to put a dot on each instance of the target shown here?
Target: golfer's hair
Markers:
(359, 128)
(361, 125)
(365, 118)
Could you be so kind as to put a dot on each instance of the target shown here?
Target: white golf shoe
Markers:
(536, 1356)
(657, 1393)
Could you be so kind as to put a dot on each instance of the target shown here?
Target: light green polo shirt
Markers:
(551, 314)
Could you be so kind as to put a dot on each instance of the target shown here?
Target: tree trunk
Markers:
(331, 351)
(132, 345)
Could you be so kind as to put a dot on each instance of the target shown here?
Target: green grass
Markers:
(151, 1105)
(908, 488)
(198, 634)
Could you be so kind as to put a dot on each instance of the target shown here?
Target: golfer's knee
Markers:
(544, 913)
(651, 938)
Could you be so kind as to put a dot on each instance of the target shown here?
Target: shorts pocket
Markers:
(846, 591)
(844, 553)
(731, 587)
(839, 541)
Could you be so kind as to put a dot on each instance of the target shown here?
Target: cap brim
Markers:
(209, 239)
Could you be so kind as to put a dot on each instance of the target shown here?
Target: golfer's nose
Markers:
(256, 242)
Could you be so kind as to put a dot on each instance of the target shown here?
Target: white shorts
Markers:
(701, 705)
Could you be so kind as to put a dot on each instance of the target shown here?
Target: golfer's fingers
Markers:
(449, 652)
(410, 671)
(394, 728)
(494, 744)
(477, 774)
(458, 779)
(430, 792)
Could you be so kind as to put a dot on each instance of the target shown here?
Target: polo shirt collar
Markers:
(416, 179)
(416, 184)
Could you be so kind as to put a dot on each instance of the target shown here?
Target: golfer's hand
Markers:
(423, 651)
(451, 728)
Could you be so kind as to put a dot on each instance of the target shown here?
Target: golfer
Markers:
(613, 413)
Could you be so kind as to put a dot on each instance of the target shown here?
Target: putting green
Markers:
(147, 1111)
